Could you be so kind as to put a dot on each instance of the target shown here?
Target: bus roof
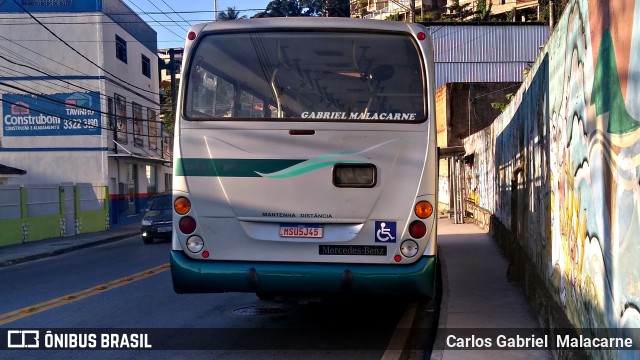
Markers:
(308, 22)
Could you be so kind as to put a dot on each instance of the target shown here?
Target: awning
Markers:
(123, 152)
(451, 151)
(8, 171)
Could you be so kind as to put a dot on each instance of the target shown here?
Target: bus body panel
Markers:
(246, 180)
(191, 276)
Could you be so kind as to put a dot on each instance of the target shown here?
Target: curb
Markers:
(66, 249)
(437, 353)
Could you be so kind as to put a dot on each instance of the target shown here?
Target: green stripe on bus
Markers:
(231, 167)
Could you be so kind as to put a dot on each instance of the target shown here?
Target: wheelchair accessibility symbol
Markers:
(386, 231)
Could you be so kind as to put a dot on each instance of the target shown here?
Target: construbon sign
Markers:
(51, 115)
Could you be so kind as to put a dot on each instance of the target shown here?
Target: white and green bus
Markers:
(305, 159)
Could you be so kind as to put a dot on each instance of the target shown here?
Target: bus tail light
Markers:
(182, 205)
(187, 225)
(417, 229)
(195, 244)
(423, 209)
(409, 248)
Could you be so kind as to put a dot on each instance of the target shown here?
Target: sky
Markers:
(171, 25)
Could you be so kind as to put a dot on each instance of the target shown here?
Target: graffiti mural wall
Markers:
(561, 166)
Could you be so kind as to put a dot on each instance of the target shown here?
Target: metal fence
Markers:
(43, 200)
(36, 212)
(10, 202)
(91, 197)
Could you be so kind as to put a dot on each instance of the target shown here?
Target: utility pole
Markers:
(551, 17)
(412, 14)
(215, 10)
(172, 68)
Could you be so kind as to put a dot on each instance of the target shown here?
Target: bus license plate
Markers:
(301, 230)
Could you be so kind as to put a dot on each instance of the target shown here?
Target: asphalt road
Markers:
(127, 285)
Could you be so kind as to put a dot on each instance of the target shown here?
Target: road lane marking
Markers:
(400, 335)
(82, 294)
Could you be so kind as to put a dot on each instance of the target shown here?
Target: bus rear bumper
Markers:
(197, 276)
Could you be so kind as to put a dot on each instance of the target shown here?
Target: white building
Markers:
(511, 10)
(79, 89)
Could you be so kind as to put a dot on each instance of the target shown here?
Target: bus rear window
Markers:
(317, 76)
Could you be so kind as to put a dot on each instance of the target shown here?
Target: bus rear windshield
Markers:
(315, 76)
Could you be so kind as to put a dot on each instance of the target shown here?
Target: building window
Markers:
(121, 49)
(121, 119)
(146, 67)
(137, 125)
(153, 129)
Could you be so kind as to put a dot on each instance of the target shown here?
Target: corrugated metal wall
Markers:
(485, 53)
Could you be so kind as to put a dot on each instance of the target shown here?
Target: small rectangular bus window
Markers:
(347, 76)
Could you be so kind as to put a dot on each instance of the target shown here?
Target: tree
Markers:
(457, 11)
(362, 8)
(394, 17)
(230, 14)
(483, 10)
(166, 112)
(286, 8)
(336, 8)
(294, 8)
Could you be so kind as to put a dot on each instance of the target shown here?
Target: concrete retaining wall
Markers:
(560, 171)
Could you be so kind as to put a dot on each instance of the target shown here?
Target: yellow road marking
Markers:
(67, 299)
(400, 335)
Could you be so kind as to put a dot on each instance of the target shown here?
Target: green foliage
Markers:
(483, 10)
(296, 8)
(502, 106)
(166, 112)
(559, 6)
(230, 14)
(511, 15)
(394, 17)
(337, 8)
(433, 15)
(458, 12)
(362, 7)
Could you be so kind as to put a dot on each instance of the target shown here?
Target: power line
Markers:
(54, 101)
(169, 6)
(83, 123)
(466, 42)
(79, 53)
(107, 22)
(143, 12)
(499, 90)
(60, 79)
(62, 15)
(42, 69)
(175, 12)
(57, 88)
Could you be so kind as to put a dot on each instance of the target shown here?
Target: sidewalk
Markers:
(476, 293)
(19, 253)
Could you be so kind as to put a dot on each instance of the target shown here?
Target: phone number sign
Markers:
(51, 115)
